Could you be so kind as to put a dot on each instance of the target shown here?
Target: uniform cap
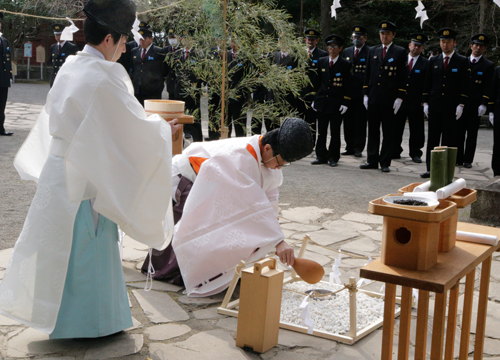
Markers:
(334, 39)
(447, 33)
(170, 31)
(57, 28)
(479, 39)
(387, 26)
(312, 34)
(145, 29)
(295, 139)
(117, 15)
(359, 30)
(419, 38)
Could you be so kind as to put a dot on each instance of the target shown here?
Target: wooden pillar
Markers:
(467, 314)
(352, 308)
(451, 327)
(404, 323)
(422, 321)
(482, 309)
(438, 326)
(388, 330)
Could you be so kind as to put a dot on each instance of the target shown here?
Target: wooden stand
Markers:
(451, 266)
(260, 306)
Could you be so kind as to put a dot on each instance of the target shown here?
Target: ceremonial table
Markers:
(442, 278)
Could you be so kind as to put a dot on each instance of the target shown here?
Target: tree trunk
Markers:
(483, 8)
(326, 16)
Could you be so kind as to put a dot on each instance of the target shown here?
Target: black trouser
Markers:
(415, 118)
(333, 152)
(192, 107)
(235, 118)
(378, 114)
(214, 117)
(307, 113)
(4, 92)
(355, 120)
(468, 123)
(440, 132)
(495, 160)
(142, 97)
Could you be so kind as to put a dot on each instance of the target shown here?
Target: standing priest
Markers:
(99, 163)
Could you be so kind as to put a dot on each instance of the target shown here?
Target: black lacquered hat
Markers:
(295, 139)
(117, 15)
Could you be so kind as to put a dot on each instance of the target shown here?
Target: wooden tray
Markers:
(443, 211)
(463, 198)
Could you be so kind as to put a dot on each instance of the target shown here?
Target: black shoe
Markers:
(467, 165)
(318, 162)
(386, 169)
(425, 175)
(396, 157)
(358, 154)
(332, 163)
(368, 166)
(6, 133)
(417, 160)
(347, 153)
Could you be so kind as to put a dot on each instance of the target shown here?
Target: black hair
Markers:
(95, 33)
(272, 138)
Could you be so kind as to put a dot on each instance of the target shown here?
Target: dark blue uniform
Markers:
(5, 77)
(148, 73)
(59, 57)
(494, 107)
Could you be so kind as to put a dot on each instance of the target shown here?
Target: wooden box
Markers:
(463, 198)
(260, 306)
(412, 238)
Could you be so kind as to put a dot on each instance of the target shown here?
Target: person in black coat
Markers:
(445, 93)
(411, 108)
(126, 58)
(494, 110)
(59, 51)
(355, 119)
(5, 78)
(148, 67)
(307, 94)
(481, 76)
(384, 90)
(332, 99)
(173, 46)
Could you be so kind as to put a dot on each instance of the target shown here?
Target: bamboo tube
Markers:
(439, 162)
(452, 160)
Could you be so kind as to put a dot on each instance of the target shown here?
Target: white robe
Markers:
(92, 140)
(231, 213)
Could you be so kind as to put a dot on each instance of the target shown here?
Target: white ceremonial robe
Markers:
(92, 140)
(231, 213)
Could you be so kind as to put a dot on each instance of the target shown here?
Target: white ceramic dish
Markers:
(431, 204)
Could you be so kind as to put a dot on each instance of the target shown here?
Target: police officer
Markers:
(384, 89)
(494, 109)
(173, 46)
(332, 99)
(411, 108)
(148, 67)
(307, 94)
(126, 58)
(481, 76)
(445, 93)
(355, 118)
(5, 78)
(60, 51)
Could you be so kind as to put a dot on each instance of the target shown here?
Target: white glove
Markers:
(481, 110)
(426, 110)
(365, 101)
(397, 105)
(312, 105)
(10, 82)
(460, 110)
(492, 118)
(342, 109)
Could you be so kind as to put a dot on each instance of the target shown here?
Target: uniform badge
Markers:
(446, 32)
(391, 68)
(417, 71)
(315, 61)
(323, 70)
(135, 57)
(63, 54)
(356, 29)
(375, 57)
(338, 74)
(480, 73)
(481, 37)
(435, 67)
(289, 67)
(386, 68)
(454, 70)
(362, 60)
(150, 58)
(390, 74)
(347, 58)
(390, 60)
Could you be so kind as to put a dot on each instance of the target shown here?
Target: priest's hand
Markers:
(426, 110)
(285, 253)
(365, 101)
(174, 126)
(492, 118)
(342, 109)
(459, 112)
(397, 105)
(481, 110)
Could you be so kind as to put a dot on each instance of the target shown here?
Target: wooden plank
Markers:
(450, 268)
(422, 320)
(323, 334)
(451, 327)
(482, 309)
(388, 329)
(404, 323)
(438, 327)
(467, 315)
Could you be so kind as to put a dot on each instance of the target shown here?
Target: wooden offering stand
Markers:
(169, 110)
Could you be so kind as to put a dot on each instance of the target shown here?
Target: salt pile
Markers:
(330, 314)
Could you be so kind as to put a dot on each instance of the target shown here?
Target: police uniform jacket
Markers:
(148, 75)
(415, 85)
(385, 78)
(358, 68)
(58, 58)
(6, 70)
(333, 85)
(445, 90)
(183, 73)
(481, 78)
(126, 58)
(169, 70)
(494, 100)
(309, 91)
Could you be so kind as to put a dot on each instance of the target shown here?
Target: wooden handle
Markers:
(258, 266)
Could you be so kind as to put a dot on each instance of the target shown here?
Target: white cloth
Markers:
(459, 112)
(231, 213)
(492, 118)
(102, 146)
(451, 189)
(397, 105)
(422, 187)
(477, 238)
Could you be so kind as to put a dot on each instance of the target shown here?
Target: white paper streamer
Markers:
(497, 2)
(421, 13)
(382, 289)
(334, 7)
(363, 280)
(135, 30)
(67, 33)
(414, 294)
(306, 315)
(451, 189)
(335, 274)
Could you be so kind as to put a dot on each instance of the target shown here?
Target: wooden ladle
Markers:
(309, 271)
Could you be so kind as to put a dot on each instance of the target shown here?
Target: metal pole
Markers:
(224, 131)
(41, 71)
(29, 68)
(301, 14)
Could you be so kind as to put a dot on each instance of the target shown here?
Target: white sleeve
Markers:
(273, 196)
